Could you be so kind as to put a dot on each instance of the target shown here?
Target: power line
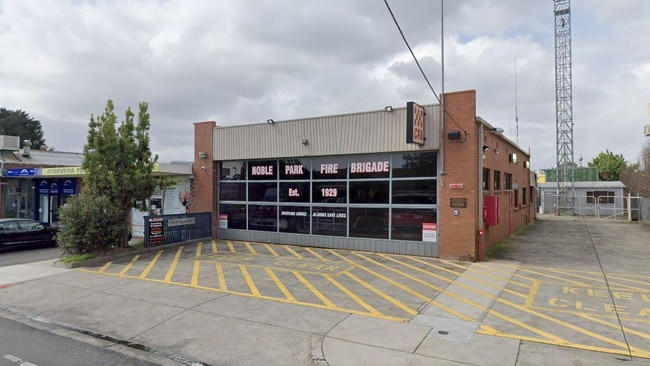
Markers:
(420, 67)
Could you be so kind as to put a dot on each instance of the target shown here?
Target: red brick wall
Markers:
(457, 234)
(511, 218)
(204, 189)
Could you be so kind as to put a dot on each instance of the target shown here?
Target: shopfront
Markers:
(376, 196)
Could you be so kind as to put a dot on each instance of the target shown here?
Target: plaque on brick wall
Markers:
(458, 202)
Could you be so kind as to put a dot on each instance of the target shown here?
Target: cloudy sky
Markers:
(240, 62)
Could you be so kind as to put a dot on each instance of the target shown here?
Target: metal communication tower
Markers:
(564, 107)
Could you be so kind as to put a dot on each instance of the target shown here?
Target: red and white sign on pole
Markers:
(430, 231)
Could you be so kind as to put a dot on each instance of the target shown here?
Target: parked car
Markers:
(25, 233)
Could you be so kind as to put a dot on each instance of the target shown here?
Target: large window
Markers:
(375, 196)
(497, 180)
(601, 197)
(507, 181)
(486, 179)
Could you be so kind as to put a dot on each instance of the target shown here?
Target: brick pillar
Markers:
(458, 234)
(204, 186)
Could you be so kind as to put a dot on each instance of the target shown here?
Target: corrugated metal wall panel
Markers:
(367, 132)
(367, 245)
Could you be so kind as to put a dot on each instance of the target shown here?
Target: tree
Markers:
(637, 176)
(609, 165)
(118, 168)
(18, 123)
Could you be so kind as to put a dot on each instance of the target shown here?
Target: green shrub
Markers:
(89, 223)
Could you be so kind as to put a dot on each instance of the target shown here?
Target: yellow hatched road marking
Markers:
(353, 296)
(105, 267)
(195, 273)
(280, 285)
(379, 293)
(615, 326)
(601, 280)
(409, 290)
(128, 266)
(214, 247)
(313, 289)
(249, 280)
(271, 250)
(278, 299)
(551, 276)
(290, 250)
(172, 267)
(619, 278)
(231, 247)
(221, 277)
(532, 294)
(199, 249)
(473, 278)
(250, 248)
(150, 266)
(315, 254)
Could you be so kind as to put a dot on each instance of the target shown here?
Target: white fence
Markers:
(612, 207)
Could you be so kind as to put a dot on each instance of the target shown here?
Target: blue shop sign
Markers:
(19, 172)
(69, 187)
(54, 188)
(43, 187)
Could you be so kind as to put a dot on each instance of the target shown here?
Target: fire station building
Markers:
(406, 180)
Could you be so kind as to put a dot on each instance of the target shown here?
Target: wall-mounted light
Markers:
(485, 148)
(270, 121)
(388, 108)
(513, 158)
(203, 155)
(496, 130)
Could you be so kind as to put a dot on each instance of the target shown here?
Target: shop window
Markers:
(369, 166)
(329, 192)
(407, 223)
(294, 192)
(606, 197)
(415, 164)
(230, 191)
(295, 169)
(497, 180)
(486, 179)
(369, 192)
(262, 217)
(331, 167)
(265, 192)
(294, 219)
(233, 170)
(263, 170)
(369, 223)
(332, 221)
(235, 216)
(414, 192)
(507, 181)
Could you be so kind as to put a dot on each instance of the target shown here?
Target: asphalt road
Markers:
(10, 258)
(24, 345)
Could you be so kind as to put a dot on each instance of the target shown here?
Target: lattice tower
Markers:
(564, 107)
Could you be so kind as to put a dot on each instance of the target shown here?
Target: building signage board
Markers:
(69, 187)
(19, 172)
(181, 222)
(63, 171)
(223, 221)
(458, 202)
(430, 231)
(414, 123)
(156, 235)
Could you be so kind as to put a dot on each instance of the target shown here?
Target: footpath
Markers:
(474, 320)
